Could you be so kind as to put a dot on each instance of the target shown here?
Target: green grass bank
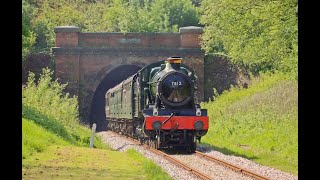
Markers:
(55, 145)
(47, 155)
(259, 123)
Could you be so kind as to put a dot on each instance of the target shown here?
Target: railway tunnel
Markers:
(114, 77)
(93, 62)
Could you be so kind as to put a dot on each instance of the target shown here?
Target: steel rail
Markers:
(181, 164)
(173, 160)
(233, 167)
(200, 154)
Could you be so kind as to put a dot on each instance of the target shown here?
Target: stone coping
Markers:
(66, 29)
(105, 50)
(191, 29)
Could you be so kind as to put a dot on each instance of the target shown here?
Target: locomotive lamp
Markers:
(198, 125)
(174, 60)
(156, 125)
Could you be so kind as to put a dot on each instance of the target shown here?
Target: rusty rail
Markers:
(173, 160)
(233, 167)
(181, 164)
(200, 154)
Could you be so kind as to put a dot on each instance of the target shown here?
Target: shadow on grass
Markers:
(50, 124)
(205, 147)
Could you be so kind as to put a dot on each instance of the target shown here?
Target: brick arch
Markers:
(107, 69)
(112, 78)
(84, 59)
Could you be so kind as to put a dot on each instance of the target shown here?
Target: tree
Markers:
(28, 36)
(260, 34)
(41, 16)
(149, 16)
(169, 15)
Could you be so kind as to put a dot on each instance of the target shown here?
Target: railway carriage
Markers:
(158, 106)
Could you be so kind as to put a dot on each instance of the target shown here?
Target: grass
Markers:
(259, 123)
(55, 144)
(71, 162)
(151, 170)
(51, 117)
(40, 131)
(36, 138)
(47, 155)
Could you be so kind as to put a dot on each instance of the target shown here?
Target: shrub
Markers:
(47, 97)
(48, 106)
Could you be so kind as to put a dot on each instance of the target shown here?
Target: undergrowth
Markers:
(51, 112)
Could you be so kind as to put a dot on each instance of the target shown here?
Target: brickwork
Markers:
(85, 59)
(138, 40)
(67, 70)
(190, 37)
(67, 36)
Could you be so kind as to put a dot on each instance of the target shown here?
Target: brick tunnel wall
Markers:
(85, 59)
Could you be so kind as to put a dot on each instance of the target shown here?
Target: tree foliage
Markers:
(104, 16)
(28, 36)
(260, 34)
(169, 15)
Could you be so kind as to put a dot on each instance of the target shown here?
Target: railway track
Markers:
(192, 170)
(173, 160)
(233, 167)
(181, 164)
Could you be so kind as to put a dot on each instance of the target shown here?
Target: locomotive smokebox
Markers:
(172, 83)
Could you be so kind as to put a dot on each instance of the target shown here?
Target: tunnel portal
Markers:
(117, 75)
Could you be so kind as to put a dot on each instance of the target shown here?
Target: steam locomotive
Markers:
(158, 106)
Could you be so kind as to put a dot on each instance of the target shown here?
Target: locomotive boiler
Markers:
(158, 106)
